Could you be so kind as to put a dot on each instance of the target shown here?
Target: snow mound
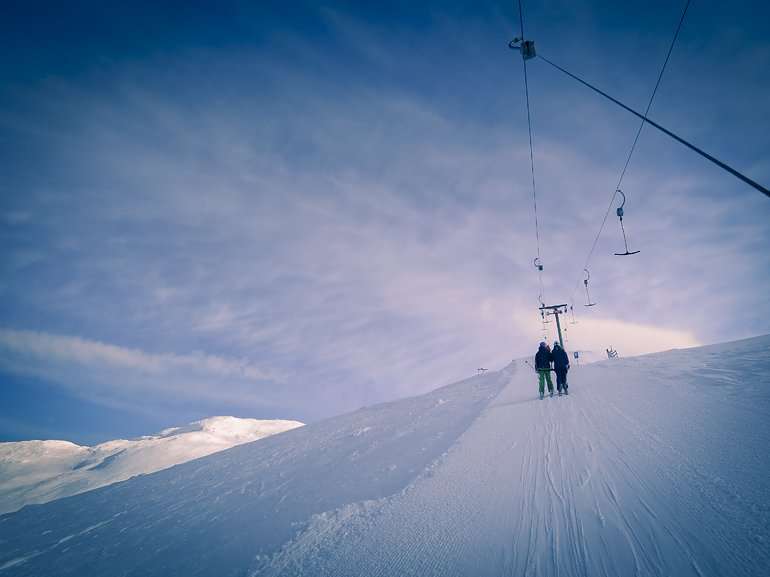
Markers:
(233, 428)
(653, 465)
(40, 471)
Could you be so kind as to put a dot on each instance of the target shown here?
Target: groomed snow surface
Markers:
(41, 471)
(654, 465)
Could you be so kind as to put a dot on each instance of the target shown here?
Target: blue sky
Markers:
(294, 210)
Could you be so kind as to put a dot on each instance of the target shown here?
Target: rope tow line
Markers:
(527, 48)
(630, 155)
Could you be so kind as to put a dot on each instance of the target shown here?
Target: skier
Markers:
(543, 367)
(560, 367)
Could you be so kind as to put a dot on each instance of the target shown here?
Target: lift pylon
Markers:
(555, 310)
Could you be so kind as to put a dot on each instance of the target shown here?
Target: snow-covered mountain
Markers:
(40, 471)
(654, 466)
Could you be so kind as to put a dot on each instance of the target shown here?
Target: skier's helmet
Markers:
(555, 344)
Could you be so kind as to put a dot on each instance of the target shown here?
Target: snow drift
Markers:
(653, 465)
(40, 471)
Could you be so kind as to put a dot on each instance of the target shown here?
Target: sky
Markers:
(295, 209)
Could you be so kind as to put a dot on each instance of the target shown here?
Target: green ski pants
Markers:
(545, 377)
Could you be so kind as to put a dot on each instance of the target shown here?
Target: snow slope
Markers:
(654, 465)
(40, 471)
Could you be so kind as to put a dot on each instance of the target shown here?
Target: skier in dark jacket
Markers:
(560, 367)
(543, 367)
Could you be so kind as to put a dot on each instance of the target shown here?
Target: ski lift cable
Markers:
(652, 97)
(531, 154)
(636, 137)
(679, 139)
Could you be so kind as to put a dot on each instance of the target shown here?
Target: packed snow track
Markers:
(653, 465)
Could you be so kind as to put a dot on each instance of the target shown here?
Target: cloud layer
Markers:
(283, 226)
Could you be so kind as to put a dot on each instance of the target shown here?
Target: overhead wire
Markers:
(531, 154)
(636, 137)
(530, 53)
(664, 130)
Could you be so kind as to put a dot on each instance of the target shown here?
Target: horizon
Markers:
(172, 426)
(293, 211)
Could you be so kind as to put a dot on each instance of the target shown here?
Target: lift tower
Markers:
(555, 310)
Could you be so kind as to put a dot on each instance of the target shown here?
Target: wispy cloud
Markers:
(92, 367)
(338, 227)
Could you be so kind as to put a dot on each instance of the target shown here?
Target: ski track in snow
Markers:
(572, 486)
(652, 466)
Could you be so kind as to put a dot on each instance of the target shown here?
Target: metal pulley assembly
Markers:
(526, 47)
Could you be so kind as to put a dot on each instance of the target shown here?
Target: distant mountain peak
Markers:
(43, 470)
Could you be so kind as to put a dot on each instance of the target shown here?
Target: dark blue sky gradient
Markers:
(294, 209)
